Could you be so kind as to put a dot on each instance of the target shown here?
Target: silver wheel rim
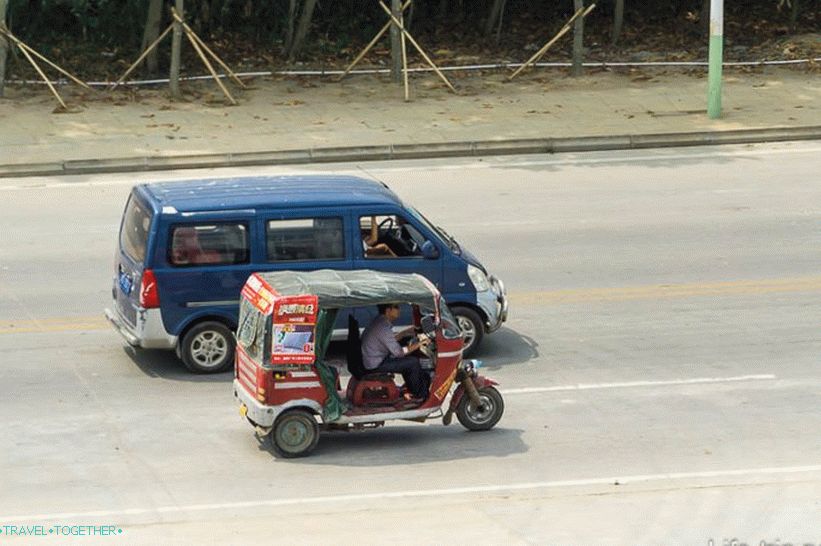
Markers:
(484, 413)
(209, 349)
(469, 331)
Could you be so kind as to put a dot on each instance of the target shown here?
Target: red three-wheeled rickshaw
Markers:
(288, 391)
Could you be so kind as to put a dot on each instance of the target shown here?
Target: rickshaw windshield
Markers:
(251, 330)
(450, 328)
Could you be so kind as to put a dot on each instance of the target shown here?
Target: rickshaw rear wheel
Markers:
(295, 434)
(484, 416)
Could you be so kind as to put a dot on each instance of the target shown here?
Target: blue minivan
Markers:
(186, 248)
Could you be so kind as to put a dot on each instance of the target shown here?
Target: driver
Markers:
(381, 352)
(370, 245)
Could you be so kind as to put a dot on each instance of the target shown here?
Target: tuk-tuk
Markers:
(288, 391)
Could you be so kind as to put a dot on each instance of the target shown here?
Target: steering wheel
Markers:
(381, 227)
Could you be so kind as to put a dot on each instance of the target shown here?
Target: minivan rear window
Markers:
(134, 231)
(208, 244)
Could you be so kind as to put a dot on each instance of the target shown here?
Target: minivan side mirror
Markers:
(429, 251)
(429, 325)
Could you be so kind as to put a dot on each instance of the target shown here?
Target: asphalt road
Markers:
(660, 370)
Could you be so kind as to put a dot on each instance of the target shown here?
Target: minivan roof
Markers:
(249, 192)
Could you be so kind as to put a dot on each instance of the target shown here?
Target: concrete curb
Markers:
(411, 151)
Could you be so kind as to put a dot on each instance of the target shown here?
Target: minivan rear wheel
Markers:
(208, 347)
(472, 327)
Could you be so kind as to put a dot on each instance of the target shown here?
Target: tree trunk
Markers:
(794, 14)
(409, 20)
(396, 44)
(578, 40)
(704, 18)
(176, 47)
(618, 20)
(151, 32)
(302, 29)
(289, 36)
(493, 16)
(443, 11)
(4, 46)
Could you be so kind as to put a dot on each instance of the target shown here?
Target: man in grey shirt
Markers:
(381, 352)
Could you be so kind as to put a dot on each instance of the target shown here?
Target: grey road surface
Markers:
(660, 369)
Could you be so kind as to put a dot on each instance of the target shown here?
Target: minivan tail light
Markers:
(149, 295)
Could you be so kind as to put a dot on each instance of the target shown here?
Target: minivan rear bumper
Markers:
(148, 333)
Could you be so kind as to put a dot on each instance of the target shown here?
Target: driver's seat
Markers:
(366, 387)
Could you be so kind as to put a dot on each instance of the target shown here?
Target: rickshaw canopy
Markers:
(343, 289)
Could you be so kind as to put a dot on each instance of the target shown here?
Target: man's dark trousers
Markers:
(417, 381)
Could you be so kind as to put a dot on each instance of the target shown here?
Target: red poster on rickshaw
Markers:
(294, 328)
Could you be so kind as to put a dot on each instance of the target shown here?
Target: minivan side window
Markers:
(208, 244)
(304, 239)
(134, 231)
(389, 236)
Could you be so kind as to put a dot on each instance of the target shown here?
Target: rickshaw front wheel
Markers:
(295, 434)
(486, 414)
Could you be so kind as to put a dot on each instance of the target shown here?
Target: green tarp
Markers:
(334, 406)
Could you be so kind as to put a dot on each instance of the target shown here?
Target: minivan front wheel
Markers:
(472, 328)
(208, 347)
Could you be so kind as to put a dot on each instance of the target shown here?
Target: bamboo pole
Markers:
(581, 12)
(143, 56)
(208, 66)
(23, 47)
(417, 46)
(371, 44)
(405, 60)
(202, 44)
(45, 78)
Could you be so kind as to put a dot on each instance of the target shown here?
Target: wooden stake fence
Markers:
(28, 52)
(582, 12)
(200, 48)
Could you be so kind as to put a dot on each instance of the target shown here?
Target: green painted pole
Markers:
(716, 54)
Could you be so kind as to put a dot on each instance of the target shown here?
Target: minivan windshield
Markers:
(134, 231)
(444, 235)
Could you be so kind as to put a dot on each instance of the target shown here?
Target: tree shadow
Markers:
(160, 364)
(400, 445)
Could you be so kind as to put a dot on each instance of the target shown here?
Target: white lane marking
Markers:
(631, 384)
(337, 499)
(430, 165)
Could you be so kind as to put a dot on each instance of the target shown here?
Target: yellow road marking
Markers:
(667, 291)
(54, 324)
